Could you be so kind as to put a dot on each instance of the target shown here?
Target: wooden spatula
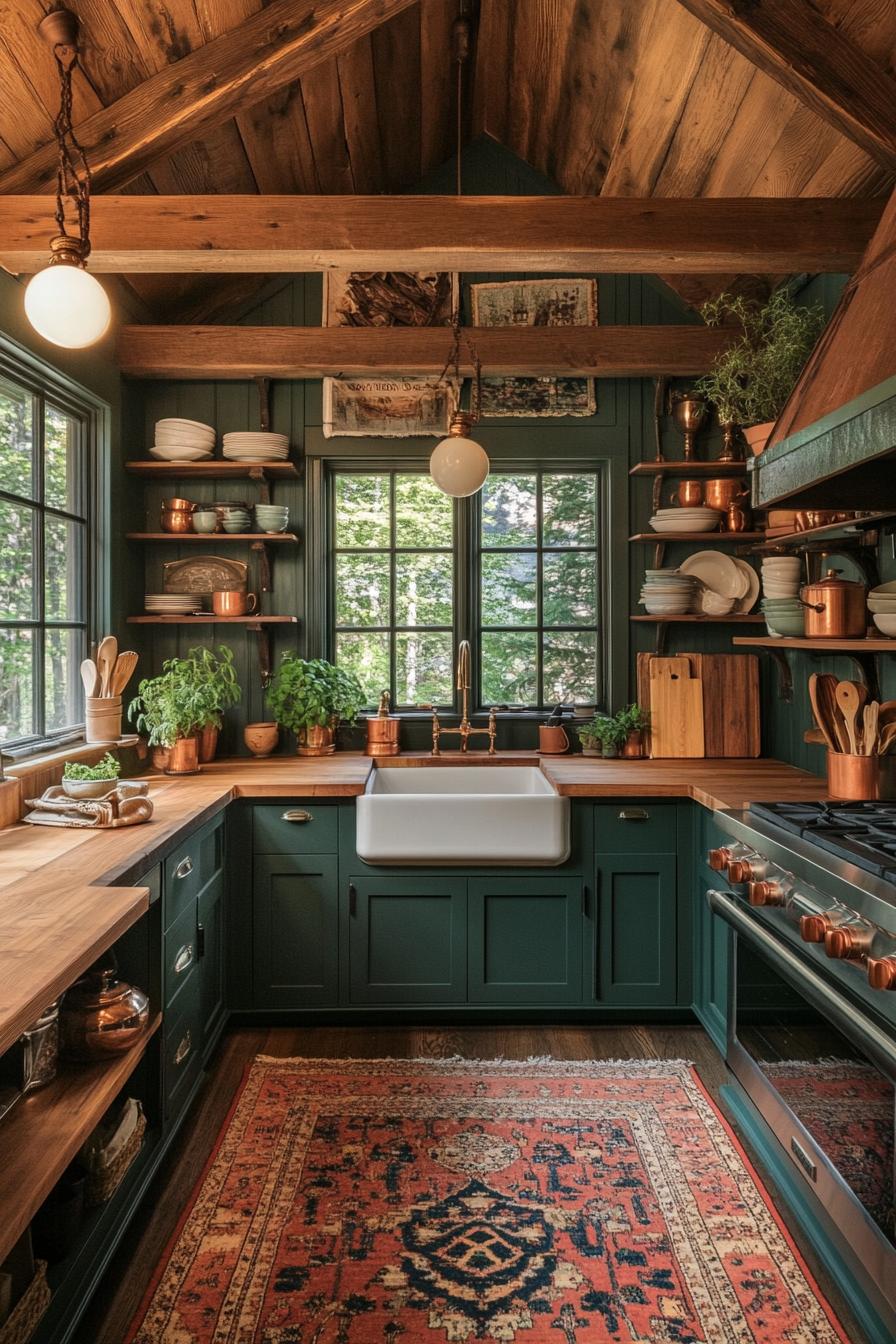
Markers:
(816, 693)
(870, 730)
(849, 702)
(90, 677)
(106, 654)
(122, 672)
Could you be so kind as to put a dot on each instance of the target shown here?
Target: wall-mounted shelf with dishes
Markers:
(862, 652)
(214, 538)
(717, 538)
(209, 618)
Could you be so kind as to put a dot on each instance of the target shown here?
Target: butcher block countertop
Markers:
(66, 895)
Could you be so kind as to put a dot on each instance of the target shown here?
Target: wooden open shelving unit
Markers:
(751, 619)
(213, 538)
(851, 532)
(209, 618)
(716, 538)
(217, 468)
(679, 468)
(850, 646)
(43, 1132)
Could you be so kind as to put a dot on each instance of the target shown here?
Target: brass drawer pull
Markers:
(296, 814)
(184, 1048)
(184, 868)
(634, 814)
(183, 959)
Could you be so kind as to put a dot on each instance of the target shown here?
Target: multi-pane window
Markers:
(524, 587)
(44, 593)
(394, 580)
(538, 585)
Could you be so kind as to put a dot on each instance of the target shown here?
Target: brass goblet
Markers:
(689, 414)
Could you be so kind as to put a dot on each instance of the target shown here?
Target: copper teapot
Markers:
(101, 1015)
(835, 608)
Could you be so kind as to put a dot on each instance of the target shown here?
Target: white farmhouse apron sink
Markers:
(462, 815)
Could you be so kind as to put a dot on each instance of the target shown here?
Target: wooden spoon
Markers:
(106, 655)
(886, 739)
(821, 718)
(849, 702)
(827, 692)
(870, 732)
(90, 677)
(122, 672)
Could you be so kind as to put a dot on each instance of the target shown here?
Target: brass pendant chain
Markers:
(72, 170)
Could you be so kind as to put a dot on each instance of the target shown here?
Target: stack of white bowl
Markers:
(256, 446)
(172, 604)
(271, 517)
(882, 605)
(698, 518)
(666, 592)
(183, 441)
(781, 606)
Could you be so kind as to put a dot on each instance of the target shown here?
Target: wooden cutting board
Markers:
(676, 709)
(731, 719)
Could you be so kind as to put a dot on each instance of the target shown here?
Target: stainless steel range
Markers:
(809, 891)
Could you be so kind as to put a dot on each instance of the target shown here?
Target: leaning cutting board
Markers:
(676, 708)
(731, 723)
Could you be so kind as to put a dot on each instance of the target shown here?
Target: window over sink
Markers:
(516, 570)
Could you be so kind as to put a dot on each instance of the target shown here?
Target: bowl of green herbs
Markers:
(91, 781)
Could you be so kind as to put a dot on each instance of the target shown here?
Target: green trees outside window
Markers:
(515, 570)
(44, 597)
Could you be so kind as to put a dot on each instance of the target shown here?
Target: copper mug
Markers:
(230, 602)
(690, 494)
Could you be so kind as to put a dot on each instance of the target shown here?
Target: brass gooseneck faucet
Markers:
(465, 729)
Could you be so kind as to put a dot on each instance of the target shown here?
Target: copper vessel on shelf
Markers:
(853, 777)
(101, 1015)
(721, 491)
(382, 731)
(689, 414)
(835, 608)
(690, 494)
(316, 741)
(177, 515)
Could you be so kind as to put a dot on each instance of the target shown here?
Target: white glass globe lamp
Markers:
(64, 303)
(459, 465)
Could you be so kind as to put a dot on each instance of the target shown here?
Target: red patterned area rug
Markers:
(442, 1202)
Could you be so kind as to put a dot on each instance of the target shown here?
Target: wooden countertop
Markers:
(66, 895)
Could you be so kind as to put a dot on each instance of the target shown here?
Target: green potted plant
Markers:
(217, 688)
(90, 781)
(603, 736)
(635, 721)
(750, 381)
(166, 709)
(310, 697)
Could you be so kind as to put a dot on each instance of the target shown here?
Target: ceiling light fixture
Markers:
(459, 465)
(64, 303)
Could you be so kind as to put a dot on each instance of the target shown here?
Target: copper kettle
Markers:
(835, 608)
(101, 1015)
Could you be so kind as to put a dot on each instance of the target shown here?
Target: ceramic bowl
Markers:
(206, 520)
(235, 525)
(886, 624)
(884, 590)
(789, 628)
(88, 788)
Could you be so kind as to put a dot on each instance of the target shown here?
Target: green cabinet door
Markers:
(636, 930)
(210, 954)
(407, 939)
(525, 941)
(711, 965)
(296, 930)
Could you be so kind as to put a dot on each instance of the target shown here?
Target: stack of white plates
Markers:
(258, 446)
(172, 604)
(183, 441)
(729, 585)
(781, 576)
(668, 592)
(699, 518)
(882, 605)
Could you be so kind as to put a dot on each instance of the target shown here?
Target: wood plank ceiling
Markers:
(620, 97)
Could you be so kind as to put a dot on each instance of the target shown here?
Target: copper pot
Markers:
(690, 494)
(721, 491)
(835, 608)
(383, 731)
(177, 515)
(101, 1015)
(316, 741)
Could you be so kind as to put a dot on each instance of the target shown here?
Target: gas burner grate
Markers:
(863, 833)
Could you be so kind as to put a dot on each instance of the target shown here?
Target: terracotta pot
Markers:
(101, 1016)
(757, 436)
(208, 743)
(316, 742)
(160, 757)
(261, 738)
(633, 747)
(183, 758)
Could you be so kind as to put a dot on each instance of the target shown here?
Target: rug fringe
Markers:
(498, 1062)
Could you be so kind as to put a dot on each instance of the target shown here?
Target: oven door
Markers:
(821, 1073)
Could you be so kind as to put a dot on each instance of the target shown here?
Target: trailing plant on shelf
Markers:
(310, 697)
(750, 381)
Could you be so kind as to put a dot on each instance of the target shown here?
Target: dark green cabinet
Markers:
(525, 939)
(210, 954)
(636, 926)
(295, 931)
(407, 939)
(711, 964)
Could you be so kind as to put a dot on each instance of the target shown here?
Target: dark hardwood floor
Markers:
(128, 1277)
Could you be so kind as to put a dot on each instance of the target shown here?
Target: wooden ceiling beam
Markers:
(313, 352)
(540, 234)
(281, 43)
(816, 62)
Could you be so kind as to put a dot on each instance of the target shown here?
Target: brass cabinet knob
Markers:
(881, 972)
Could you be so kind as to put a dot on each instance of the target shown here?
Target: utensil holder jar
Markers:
(102, 718)
(853, 777)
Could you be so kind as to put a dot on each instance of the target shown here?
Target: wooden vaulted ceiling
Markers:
(619, 97)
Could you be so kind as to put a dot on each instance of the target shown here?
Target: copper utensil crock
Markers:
(835, 608)
(854, 777)
(382, 731)
(102, 1016)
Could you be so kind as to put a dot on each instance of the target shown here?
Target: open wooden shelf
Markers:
(847, 531)
(728, 538)
(43, 1132)
(705, 620)
(688, 469)
(212, 538)
(216, 468)
(870, 645)
(209, 618)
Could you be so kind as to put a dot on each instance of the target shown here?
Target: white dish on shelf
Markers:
(176, 421)
(163, 453)
(747, 602)
(886, 623)
(718, 572)
(713, 604)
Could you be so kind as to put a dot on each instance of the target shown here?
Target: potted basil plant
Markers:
(310, 697)
(217, 688)
(603, 736)
(166, 709)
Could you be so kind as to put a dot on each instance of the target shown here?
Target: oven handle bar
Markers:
(878, 1046)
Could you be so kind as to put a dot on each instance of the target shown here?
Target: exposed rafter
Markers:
(314, 352)
(794, 44)
(279, 44)
(561, 234)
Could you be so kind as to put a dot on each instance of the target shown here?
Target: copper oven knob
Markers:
(839, 943)
(881, 972)
(814, 927)
(719, 858)
(765, 893)
(740, 870)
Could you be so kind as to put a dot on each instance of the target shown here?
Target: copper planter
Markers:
(316, 741)
(183, 757)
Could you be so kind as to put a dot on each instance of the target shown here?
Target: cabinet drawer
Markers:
(640, 825)
(181, 955)
(296, 828)
(190, 867)
(182, 1048)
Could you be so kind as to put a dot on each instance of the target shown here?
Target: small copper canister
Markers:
(382, 731)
